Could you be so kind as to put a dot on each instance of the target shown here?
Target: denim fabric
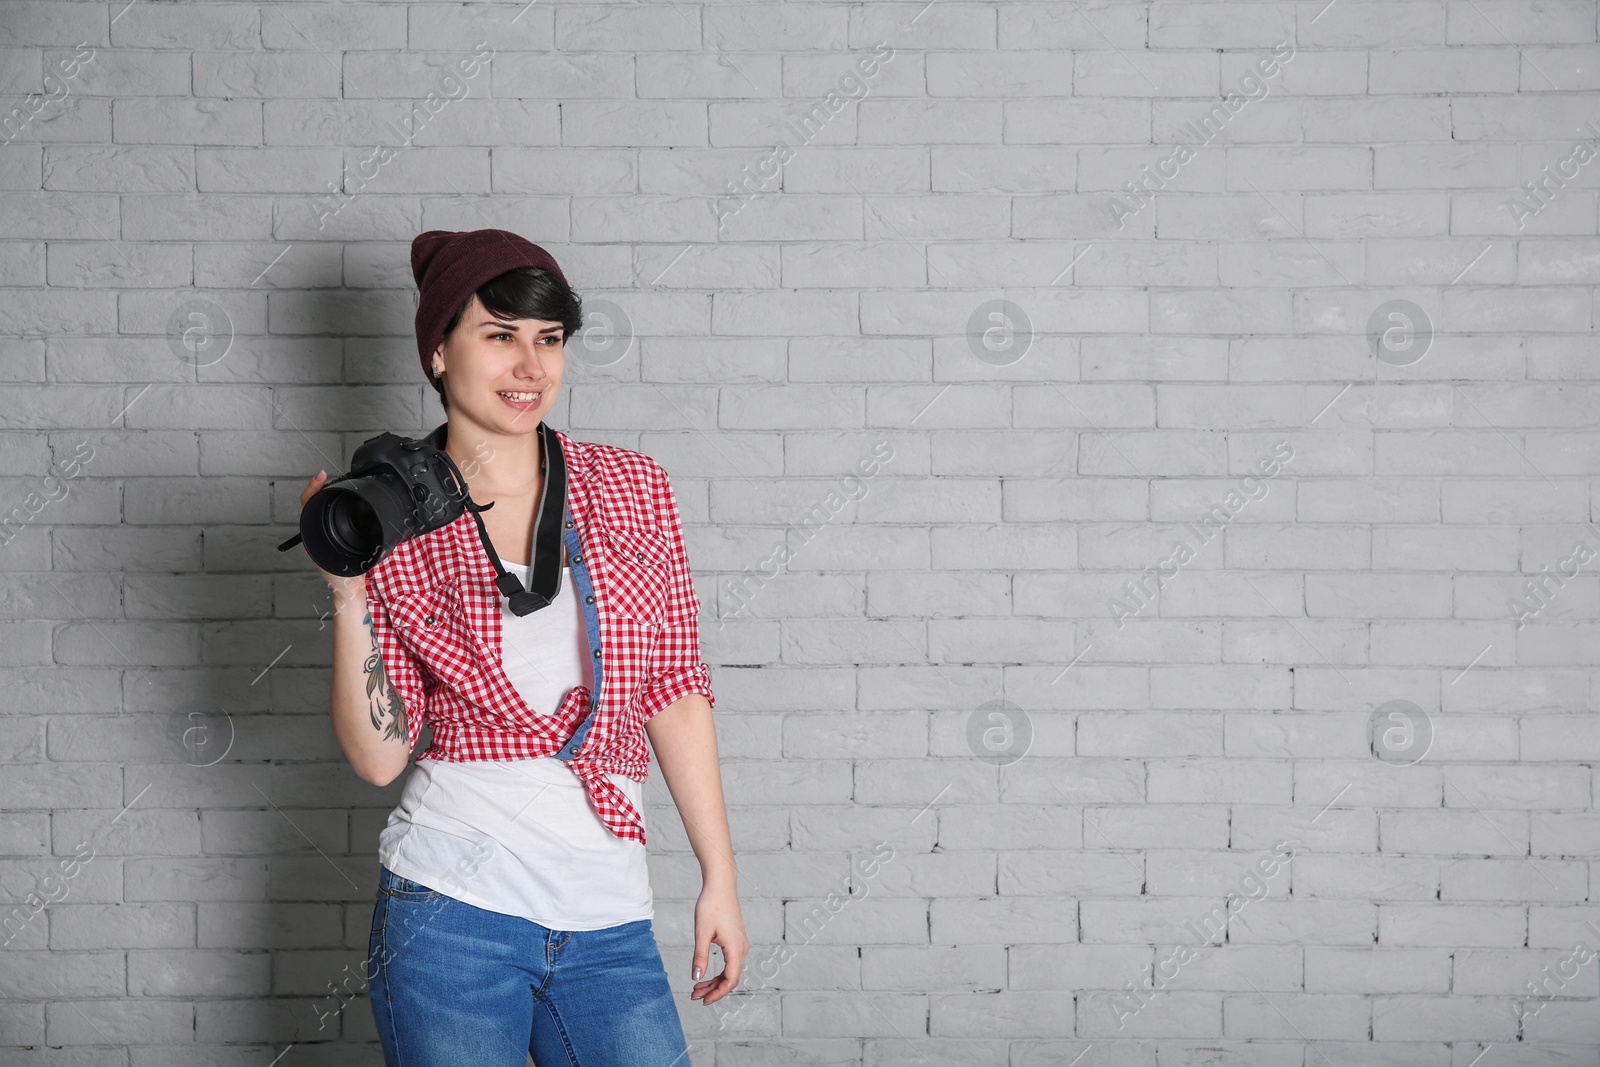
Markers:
(591, 624)
(453, 985)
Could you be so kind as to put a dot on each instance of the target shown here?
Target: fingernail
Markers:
(697, 973)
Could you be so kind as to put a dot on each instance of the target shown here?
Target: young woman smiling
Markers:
(514, 910)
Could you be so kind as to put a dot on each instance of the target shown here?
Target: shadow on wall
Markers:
(307, 823)
(197, 810)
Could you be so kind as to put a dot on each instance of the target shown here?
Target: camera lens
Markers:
(350, 526)
(351, 523)
(353, 527)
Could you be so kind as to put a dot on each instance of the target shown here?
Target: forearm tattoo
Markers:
(388, 711)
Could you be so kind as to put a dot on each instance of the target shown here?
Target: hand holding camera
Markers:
(343, 587)
(399, 488)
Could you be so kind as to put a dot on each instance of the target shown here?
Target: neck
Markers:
(494, 464)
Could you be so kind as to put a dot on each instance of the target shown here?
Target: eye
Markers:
(502, 333)
(554, 339)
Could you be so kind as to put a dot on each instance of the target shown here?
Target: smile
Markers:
(521, 398)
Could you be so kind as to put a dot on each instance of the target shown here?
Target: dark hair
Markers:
(524, 293)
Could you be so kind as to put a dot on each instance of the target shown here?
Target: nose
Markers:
(530, 363)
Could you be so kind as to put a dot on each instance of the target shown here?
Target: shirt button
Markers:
(588, 600)
(597, 653)
(577, 559)
(430, 621)
(569, 525)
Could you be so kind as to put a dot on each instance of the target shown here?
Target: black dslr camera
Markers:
(397, 488)
(402, 487)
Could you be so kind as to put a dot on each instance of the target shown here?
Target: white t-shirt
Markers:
(519, 836)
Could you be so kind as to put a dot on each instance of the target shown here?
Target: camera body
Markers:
(401, 487)
(397, 488)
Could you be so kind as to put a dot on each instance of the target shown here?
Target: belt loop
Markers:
(552, 946)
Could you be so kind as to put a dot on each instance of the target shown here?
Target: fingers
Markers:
(312, 486)
(735, 961)
(340, 585)
(714, 989)
(702, 954)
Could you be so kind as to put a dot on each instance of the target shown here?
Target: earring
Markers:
(436, 372)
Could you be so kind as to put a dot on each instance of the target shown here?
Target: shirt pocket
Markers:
(433, 625)
(636, 558)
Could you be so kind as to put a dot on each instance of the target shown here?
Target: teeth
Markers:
(521, 398)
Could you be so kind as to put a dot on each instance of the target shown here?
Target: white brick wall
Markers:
(1009, 551)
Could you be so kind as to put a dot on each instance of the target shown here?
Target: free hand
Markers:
(717, 918)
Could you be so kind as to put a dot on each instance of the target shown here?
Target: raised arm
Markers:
(375, 723)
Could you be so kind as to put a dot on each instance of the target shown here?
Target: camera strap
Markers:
(545, 573)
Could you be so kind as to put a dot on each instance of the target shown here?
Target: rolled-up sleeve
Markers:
(676, 668)
(399, 667)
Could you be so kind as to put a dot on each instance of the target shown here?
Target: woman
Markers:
(514, 907)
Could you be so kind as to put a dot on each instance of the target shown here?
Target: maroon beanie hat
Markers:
(450, 265)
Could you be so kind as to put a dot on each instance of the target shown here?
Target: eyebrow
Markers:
(513, 328)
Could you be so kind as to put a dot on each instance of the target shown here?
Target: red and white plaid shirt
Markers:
(436, 613)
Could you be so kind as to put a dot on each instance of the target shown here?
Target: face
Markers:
(501, 374)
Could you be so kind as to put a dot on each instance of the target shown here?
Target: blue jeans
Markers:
(453, 985)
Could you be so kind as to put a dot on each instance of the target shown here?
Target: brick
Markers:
(1180, 325)
(197, 973)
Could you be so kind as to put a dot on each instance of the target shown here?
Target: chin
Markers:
(523, 427)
